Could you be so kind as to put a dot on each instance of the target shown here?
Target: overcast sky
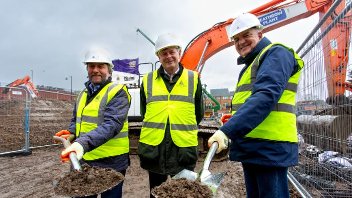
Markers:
(48, 39)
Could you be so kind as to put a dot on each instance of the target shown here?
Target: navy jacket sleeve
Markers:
(72, 127)
(277, 65)
(115, 114)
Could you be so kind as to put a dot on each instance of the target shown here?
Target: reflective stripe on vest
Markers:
(280, 125)
(91, 115)
(177, 106)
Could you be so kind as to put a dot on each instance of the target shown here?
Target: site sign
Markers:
(272, 17)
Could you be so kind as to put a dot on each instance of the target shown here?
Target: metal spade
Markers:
(98, 189)
(213, 181)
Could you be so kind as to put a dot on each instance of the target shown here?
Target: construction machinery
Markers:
(278, 13)
(214, 108)
(25, 81)
(275, 14)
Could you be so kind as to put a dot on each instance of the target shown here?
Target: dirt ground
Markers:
(34, 175)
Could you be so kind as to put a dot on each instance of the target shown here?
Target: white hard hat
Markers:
(98, 55)
(243, 22)
(165, 41)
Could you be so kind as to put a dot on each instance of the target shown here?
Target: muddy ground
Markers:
(34, 175)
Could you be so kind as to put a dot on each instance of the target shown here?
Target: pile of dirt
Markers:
(88, 181)
(182, 188)
(32, 176)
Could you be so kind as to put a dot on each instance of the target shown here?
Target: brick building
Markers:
(224, 97)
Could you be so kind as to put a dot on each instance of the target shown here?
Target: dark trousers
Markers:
(115, 192)
(265, 182)
(155, 179)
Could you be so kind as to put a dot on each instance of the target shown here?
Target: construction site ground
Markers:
(34, 175)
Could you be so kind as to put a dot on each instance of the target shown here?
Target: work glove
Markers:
(225, 118)
(75, 147)
(221, 138)
(63, 134)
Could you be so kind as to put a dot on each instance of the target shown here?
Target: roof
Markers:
(220, 92)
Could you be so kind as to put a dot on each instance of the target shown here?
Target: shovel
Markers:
(213, 181)
(73, 157)
(93, 176)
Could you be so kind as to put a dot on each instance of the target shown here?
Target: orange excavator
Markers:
(23, 81)
(278, 13)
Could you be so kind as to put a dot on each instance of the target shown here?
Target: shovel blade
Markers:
(187, 174)
(213, 181)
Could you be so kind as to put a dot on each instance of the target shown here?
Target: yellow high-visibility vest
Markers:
(91, 115)
(177, 106)
(280, 125)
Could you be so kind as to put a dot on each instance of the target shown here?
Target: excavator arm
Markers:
(26, 82)
(272, 15)
(217, 103)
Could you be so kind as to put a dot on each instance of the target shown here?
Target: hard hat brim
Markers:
(97, 61)
(175, 46)
(244, 29)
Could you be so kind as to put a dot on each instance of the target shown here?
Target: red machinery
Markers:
(273, 15)
(26, 82)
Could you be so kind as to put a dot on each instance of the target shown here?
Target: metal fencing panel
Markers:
(48, 116)
(14, 119)
(324, 109)
(27, 123)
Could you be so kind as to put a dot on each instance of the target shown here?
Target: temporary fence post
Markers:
(27, 124)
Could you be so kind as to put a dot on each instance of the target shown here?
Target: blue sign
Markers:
(272, 17)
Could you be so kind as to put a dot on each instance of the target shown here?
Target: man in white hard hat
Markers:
(262, 128)
(99, 120)
(172, 107)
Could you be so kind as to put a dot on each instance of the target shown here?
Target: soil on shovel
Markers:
(89, 181)
(182, 188)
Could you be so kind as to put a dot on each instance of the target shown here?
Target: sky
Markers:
(47, 40)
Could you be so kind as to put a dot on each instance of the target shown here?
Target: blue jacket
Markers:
(114, 116)
(276, 67)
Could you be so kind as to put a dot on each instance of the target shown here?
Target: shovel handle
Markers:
(73, 156)
(210, 155)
